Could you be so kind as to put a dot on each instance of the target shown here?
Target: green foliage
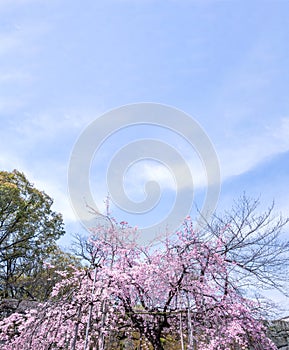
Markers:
(29, 229)
(39, 282)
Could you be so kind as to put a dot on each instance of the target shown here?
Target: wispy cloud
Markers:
(45, 125)
(243, 155)
(6, 4)
(37, 133)
(144, 171)
(22, 37)
(15, 76)
(54, 185)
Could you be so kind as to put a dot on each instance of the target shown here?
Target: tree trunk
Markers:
(156, 342)
(157, 345)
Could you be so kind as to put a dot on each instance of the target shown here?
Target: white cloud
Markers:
(58, 192)
(15, 76)
(8, 4)
(10, 104)
(281, 133)
(9, 161)
(53, 186)
(19, 136)
(239, 158)
(31, 129)
(243, 155)
(144, 171)
(23, 38)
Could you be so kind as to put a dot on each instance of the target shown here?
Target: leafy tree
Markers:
(38, 283)
(29, 229)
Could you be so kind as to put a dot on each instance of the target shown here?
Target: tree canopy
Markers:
(182, 294)
(29, 229)
(188, 292)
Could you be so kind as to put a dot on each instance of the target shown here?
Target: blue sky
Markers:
(65, 63)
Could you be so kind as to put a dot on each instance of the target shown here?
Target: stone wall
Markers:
(8, 306)
(278, 331)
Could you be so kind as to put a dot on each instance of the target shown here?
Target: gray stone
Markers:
(278, 331)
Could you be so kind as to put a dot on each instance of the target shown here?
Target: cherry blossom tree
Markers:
(179, 291)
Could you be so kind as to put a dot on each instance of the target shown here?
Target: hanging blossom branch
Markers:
(182, 290)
